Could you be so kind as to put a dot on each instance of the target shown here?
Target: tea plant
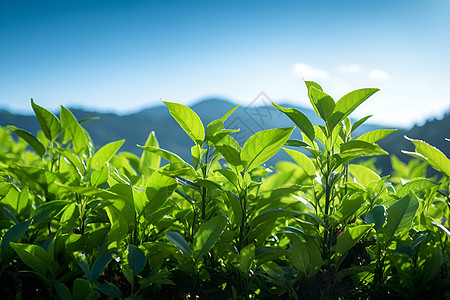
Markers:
(79, 222)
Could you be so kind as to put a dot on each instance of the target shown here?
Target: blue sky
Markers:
(121, 56)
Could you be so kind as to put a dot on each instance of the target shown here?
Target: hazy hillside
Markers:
(433, 132)
(136, 127)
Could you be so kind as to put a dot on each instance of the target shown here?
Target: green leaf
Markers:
(136, 259)
(50, 124)
(158, 189)
(235, 204)
(230, 175)
(197, 154)
(376, 215)
(208, 234)
(172, 157)
(98, 266)
(375, 135)
(109, 289)
(80, 138)
(14, 233)
(362, 174)
(415, 185)
(62, 290)
(303, 161)
(275, 213)
(433, 156)
(347, 104)
(82, 289)
(322, 103)
(100, 176)
(105, 154)
(188, 120)
(349, 206)
(296, 143)
(213, 127)
(33, 256)
(300, 119)
(149, 161)
(362, 148)
(310, 84)
(306, 258)
(400, 215)
(179, 241)
(225, 116)
(263, 145)
(349, 238)
(231, 155)
(73, 158)
(360, 122)
(246, 258)
(30, 139)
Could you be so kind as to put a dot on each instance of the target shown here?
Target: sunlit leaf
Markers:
(50, 124)
(263, 145)
(188, 120)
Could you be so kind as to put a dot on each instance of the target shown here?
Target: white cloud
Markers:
(379, 75)
(308, 72)
(350, 69)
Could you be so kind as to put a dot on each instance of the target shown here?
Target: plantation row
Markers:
(78, 222)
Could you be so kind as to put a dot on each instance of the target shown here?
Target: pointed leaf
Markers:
(188, 120)
(179, 241)
(296, 143)
(105, 154)
(208, 234)
(228, 113)
(50, 124)
(362, 174)
(303, 161)
(375, 135)
(98, 266)
(263, 145)
(30, 139)
(323, 104)
(347, 104)
(360, 122)
(14, 233)
(149, 161)
(432, 156)
(158, 189)
(362, 148)
(231, 155)
(349, 238)
(172, 157)
(72, 157)
(310, 84)
(33, 256)
(302, 121)
(136, 259)
(80, 139)
(376, 215)
(400, 214)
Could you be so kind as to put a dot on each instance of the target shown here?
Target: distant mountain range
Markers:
(135, 127)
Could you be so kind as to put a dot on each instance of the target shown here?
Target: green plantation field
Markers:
(80, 222)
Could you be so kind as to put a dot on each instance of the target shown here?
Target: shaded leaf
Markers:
(30, 139)
(300, 119)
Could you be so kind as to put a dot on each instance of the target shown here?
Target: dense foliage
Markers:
(83, 223)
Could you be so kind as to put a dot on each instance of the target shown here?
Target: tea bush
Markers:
(78, 222)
